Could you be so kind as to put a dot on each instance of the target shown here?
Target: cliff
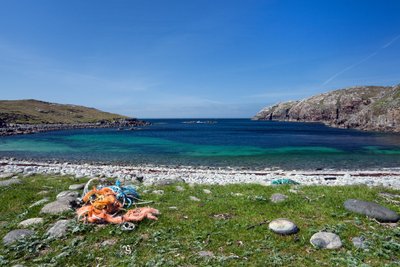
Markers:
(369, 108)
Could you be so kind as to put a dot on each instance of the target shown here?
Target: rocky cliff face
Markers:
(370, 108)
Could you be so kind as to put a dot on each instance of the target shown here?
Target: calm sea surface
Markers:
(229, 142)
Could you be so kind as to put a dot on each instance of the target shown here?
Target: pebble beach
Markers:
(150, 174)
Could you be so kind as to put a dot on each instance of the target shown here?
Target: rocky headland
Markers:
(33, 116)
(369, 108)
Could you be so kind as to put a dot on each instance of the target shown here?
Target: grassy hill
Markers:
(34, 112)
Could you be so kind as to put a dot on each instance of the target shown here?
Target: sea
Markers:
(237, 143)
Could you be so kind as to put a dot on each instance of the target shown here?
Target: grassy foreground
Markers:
(227, 222)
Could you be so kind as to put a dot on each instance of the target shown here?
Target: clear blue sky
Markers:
(194, 58)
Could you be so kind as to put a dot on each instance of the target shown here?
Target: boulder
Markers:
(283, 227)
(56, 207)
(371, 209)
(59, 229)
(326, 240)
(31, 221)
(76, 186)
(15, 235)
(68, 197)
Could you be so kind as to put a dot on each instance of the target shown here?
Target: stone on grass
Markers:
(283, 227)
(68, 196)
(276, 198)
(326, 240)
(373, 210)
(169, 181)
(76, 186)
(31, 221)
(59, 229)
(359, 242)
(193, 198)
(205, 254)
(206, 191)
(56, 207)
(6, 175)
(179, 188)
(39, 202)
(10, 182)
(15, 235)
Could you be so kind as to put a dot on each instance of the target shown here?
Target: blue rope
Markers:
(124, 194)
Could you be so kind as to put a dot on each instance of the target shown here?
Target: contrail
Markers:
(361, 61)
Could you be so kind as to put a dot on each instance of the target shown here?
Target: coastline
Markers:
(153, 174)
(18, 129)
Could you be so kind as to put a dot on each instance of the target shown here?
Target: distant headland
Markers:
(31, 116)
(369, 108)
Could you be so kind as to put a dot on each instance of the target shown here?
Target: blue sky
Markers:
(194, 58)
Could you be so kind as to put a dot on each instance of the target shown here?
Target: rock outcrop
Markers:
(370, 108)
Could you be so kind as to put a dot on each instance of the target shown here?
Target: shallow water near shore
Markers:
(229, 142)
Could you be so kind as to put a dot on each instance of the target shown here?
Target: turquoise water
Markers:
(239, 143)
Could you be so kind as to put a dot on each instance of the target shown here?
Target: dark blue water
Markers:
(229, 142)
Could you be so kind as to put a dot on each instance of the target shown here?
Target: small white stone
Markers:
(283, 227)
(193, 198)
(206, 191)
(326, 240)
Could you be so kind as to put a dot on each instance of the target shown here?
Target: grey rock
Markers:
(205, 254)
(56, 207)
(76, 186)
(158, 192)
(59, 229)
(326, 240)
(169, 181)
(277, 198)
(39, 202)
(6, 175)
(68, 194)
(193, 198)
(15, 235)
(31, 221)
(371, 209)
(10, 182)
(179, 188)
(283, 227)
(359, 242)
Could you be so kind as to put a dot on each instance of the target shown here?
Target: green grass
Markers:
(177, 237)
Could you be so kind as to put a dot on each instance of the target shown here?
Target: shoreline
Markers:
(18, 129)
(153, 174)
